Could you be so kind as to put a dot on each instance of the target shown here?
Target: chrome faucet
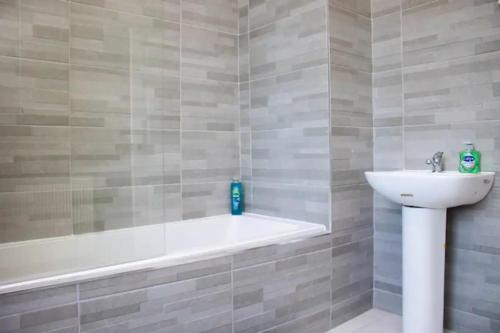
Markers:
(436, 162)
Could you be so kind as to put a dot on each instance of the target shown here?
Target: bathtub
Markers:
(46, 262)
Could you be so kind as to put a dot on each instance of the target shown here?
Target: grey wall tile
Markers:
(352, 270)
(478, 295)
(388, 151)
(294, 100)
(100, 157)
(209, 105)
(386, 39)
(409, 4)
(362, 7)
(351, 308)
(304, 203)
(209, 55)
(387, 98)
(475, 228)
(295, 156)
(351, 235)
(441, 31)
(350, 38)
(30, 301)
(44, 30)
(155, 157)
(462, 90)
(267, 12)
(259, 304)
(205, 199)
(105, 38)
(388, 248)
(195, 305)
(155, 101)
(149, 278)
(10, 108)
(121, 207)
(209, 156)
(352, 206)
(351, 97)
(107, 158)
(243, 58)
(243, 20)
(9, 28)
(387, 301)
(246, 155)
(218, 15)
(352, 154)
(244, 106)
(34, 93)
(315, 323)
(380, 8)
(162, 9)
(276, 252)
(32, 215)
(34, 158)
(61, 319)
(100, 97)
(279, 47)
(460, 321)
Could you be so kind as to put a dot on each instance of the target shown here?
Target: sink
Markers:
(425, 197)
(431, 190)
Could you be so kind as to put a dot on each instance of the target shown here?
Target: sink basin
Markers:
(431, 190)
(425, 197)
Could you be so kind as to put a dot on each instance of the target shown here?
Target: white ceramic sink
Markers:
(431, 190)
(425, 197)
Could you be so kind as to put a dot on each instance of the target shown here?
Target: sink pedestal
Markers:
(424, 238)
(424, 234)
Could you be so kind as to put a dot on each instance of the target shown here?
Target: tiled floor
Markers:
(373, 321)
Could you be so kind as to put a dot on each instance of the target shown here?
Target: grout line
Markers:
(275, 20)
(78, 307)
(424, 4)
(70, 130)
(402, 88)
(273, 76)
(330, 130)
(116, 11)
(181, 130)
(374, 167)
(249, 111)
(232, 292)
(350, 10)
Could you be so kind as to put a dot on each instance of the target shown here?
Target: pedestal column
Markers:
(424, 238)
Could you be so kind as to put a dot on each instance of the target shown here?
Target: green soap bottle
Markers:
(470, 160)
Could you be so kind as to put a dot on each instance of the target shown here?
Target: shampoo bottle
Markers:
(470, 159)
(236, 197)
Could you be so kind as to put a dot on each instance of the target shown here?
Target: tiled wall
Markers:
(436, 84)
(115, 113)
(279, 288)
(351, 153)
(283, 70)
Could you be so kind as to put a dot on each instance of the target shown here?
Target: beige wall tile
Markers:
(29, 215)
(34, 158)
(45, 30)
(9, 28)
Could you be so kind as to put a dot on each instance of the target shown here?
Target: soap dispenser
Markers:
(470, 159)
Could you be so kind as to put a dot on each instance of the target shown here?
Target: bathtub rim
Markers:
(314, 230)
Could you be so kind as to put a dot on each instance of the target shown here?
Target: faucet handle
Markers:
(436, 162)
(438, 156)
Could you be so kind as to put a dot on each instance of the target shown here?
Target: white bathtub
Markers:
(40, 263)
